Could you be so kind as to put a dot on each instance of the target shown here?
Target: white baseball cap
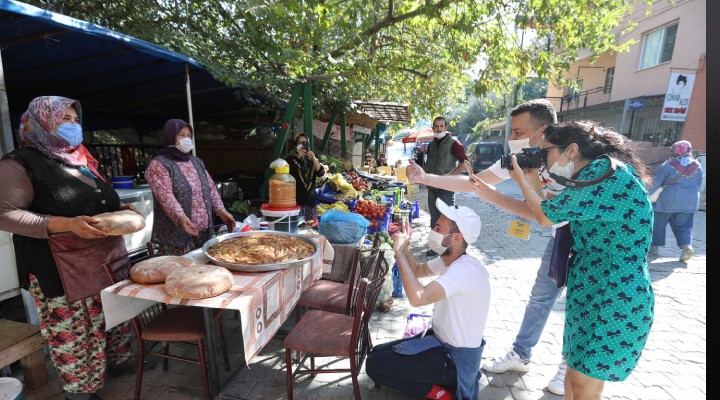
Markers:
(465, 218)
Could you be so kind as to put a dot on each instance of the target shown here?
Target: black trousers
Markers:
(445, 195)
(412, 374)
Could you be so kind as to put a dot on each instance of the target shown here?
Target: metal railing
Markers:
(580, 99)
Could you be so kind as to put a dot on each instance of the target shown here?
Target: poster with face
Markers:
(677, 98)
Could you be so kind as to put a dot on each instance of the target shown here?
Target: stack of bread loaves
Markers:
(183, 278)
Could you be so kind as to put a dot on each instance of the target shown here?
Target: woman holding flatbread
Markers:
(185, 195)
(51, 184)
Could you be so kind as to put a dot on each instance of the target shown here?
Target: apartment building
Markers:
(627, 91)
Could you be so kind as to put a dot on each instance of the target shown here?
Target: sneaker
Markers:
(557, 383)
(654, 250)
(687, 252)
(430, 253)
(510, 362)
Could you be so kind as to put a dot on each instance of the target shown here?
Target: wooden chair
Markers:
(199, 240)
(327, 334)
(385, 170)
(337, 296)
(160, 324)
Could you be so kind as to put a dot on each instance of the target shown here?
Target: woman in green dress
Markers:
(610, 301)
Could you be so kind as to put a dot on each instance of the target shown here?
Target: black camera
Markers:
(530, 157)
(305, 146)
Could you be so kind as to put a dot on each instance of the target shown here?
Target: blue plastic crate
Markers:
(325, 195)
(383, 225)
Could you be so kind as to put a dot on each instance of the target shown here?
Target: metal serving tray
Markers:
(259, 267)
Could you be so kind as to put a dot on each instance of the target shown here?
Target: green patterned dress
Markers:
(610, 301)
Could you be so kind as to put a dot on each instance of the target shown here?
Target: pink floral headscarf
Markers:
(682, 159)
(681, 148)
(38, 128)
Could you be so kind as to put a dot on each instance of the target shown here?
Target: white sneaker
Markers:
(510, 362)
(687, 252)
(557, 383)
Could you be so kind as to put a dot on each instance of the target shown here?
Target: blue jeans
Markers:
(681, 224)
(542, 298)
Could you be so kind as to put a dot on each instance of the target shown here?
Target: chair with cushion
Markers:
(160, 324)
(327, 334)
(336, 296)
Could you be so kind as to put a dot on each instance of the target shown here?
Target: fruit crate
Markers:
(327, 195)
(383, 223)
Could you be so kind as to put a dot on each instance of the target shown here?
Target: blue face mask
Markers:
(72, 133)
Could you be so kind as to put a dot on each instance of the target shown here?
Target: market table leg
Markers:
(211, 355)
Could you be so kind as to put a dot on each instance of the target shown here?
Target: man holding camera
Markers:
(445, 156)
(526, 123)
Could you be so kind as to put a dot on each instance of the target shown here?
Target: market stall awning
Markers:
(386, 111)
(121, 81)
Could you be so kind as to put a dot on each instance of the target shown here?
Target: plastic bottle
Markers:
(397, 282)
(282, 189)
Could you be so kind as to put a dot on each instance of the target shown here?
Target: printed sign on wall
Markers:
(677, 98)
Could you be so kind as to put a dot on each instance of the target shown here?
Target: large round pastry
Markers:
(119, 222)
(156, 269)
(198, 282)
(261, 249)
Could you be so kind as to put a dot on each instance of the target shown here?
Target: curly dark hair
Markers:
(594, 141)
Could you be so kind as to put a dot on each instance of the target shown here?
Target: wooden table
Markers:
(265, 300)
(21, 341)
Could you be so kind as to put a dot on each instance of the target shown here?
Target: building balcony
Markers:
(593, 97)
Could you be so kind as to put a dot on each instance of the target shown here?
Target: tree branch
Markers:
(328, 76)
(390, 20)
(415, 72)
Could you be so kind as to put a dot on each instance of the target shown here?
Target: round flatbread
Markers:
(198, 282)
(120, 222)
(156, 269)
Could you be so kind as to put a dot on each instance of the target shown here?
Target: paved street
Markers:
(673, 364)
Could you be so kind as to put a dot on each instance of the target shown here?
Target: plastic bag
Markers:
(416, 324)
(342, 226)
(252, 221)
(385, 298)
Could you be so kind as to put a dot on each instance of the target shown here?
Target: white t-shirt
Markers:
(459, 319)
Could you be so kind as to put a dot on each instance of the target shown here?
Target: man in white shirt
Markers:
(445, 361)
(527, 121)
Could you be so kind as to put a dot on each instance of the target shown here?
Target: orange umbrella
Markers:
(426, 134)
(411, 137)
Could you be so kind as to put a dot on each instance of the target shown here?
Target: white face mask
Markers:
(439, 135)
(435, 240)
(516, 146)
(565, 171)
(185, 145)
